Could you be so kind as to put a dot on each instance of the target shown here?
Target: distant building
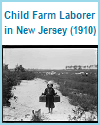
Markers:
(79, 67)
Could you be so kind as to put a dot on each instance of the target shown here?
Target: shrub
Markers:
(9, 79)
(27, 75)
(13, 78)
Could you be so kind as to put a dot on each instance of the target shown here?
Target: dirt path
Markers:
(28, 93)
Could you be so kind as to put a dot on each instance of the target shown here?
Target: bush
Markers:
(80, 115)
(10, 79)
(27, 75)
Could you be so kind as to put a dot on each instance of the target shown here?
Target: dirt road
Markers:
(27, 94)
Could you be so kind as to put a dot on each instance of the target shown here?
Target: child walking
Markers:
(49, 92)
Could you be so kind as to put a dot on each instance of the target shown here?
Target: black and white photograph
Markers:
(49, 84)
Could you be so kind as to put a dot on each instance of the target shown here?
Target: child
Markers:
(49, 92)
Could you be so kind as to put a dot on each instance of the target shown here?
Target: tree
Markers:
(19, 68)
(79, 67)
(75, 67)
(66, 67)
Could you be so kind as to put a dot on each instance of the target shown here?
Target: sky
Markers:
(49, 58)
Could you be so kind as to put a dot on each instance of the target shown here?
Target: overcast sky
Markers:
(49, 58)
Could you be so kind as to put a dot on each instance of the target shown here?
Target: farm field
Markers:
(77, 88)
